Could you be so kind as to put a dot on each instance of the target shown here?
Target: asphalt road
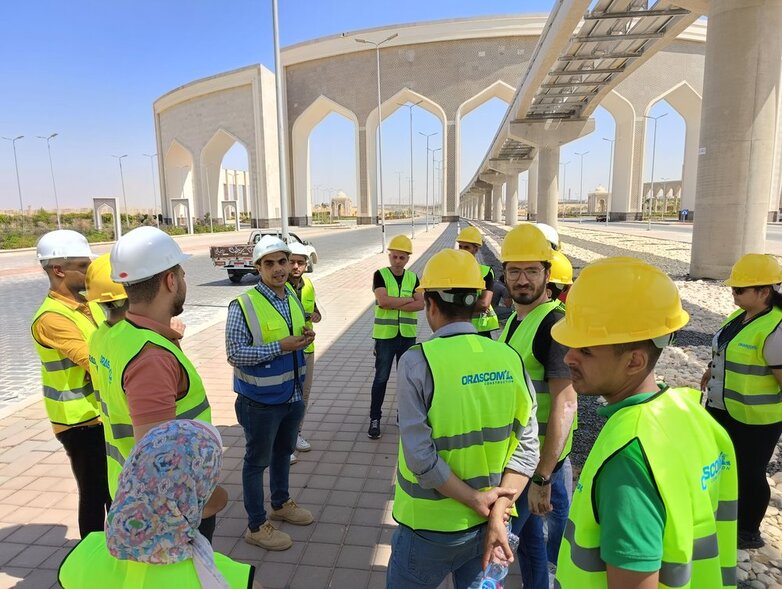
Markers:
(208, 295)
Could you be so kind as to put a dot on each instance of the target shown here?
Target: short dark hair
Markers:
(452, 311)
(146, 291)
(647, 345)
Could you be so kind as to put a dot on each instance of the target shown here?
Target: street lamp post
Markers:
(410, 107)
(281, 124)
(563, 192)
(581, 188)
(16, 165)
(426, 205)
(435, 178)
(122, 179)
(399, 189)
(654, 148)
(665, 198)
(151, 157)
(379, 137)
(51, 169)
(610, 177)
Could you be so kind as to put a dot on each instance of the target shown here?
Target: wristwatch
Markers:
(540, 480)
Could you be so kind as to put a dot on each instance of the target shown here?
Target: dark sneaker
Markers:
(750, 540)
(374, 429)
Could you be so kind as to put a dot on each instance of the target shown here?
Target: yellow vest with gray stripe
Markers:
(112, 348)
(479, 406)
(308, 303)
(693, 464)
(67, 388)
(390, 322)
(488, 320)
(522, 341)
(751, 392)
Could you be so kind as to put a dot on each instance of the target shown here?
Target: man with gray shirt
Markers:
(468, 437)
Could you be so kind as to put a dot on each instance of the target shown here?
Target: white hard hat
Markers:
(63, 243)
(269, 244)
(140, 254)
(299, 249)
(550, 233)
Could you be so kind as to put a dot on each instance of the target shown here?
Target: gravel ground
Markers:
(708, 302)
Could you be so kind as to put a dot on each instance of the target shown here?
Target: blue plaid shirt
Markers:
(239, 341)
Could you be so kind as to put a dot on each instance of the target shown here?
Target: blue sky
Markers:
(89, 70)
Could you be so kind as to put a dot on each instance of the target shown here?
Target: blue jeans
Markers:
(422, 560)
(270, 438)
(385, 352)
(561, 493)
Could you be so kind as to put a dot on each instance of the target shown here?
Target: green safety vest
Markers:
(752, 393)
(390, 322)
(488, 320)
(693, 465)
(67, 388)
(112, 348)
(480, 405)
(522, 341)
(90, 565)
(98, 314)
(308, 302)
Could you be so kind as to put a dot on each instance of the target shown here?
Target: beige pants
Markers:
(309, 360)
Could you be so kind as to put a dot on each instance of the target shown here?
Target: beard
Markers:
(529, 295)
(178, 305)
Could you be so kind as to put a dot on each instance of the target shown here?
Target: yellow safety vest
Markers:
(751, 392)
(479, 407)
(390, 322)
(488, 320)
(67, 388)
(112, 348)
(98, 314)
(308, 302)
(522, 341)
(693, 464)
(90, 565)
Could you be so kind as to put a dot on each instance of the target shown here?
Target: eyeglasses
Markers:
(738, 289)
(530, 274)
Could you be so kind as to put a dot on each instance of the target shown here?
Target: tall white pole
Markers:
(16, 165)
(122, 180)
(654, 148)
(152, 157)
(610, 178)
(281, 131)
(581, 188)
(51, 169)
(426, 206)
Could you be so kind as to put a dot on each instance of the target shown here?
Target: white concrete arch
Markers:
(623, 113)
(178, 169)
(211, 160)
(686, 101)
(301, 132)
(368, 205)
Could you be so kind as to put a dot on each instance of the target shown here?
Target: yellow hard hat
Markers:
(755, 270)
(100, 287)
(618, 301)
(449, 269)
(526, 243)
(401, 243)
(470, 234)
(561, 269)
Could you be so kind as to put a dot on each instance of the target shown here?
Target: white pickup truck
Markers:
(238, 261)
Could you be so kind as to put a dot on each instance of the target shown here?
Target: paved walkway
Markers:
(346, 480)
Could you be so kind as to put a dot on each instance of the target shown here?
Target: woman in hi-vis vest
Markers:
(152, 540)
(743, 383)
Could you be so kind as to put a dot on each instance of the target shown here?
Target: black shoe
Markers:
(750, 540)
(374, 429)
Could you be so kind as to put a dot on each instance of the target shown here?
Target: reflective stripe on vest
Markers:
(751, 392)
(488, 320)
(522, 341)
(112, 348)
(479, 406)
(274, 381)
(90, 565)
(308, 303)
(67, 390)
(693, 464)
(390, 322)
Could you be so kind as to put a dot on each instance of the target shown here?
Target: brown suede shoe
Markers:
(268, 537)
(292, 513)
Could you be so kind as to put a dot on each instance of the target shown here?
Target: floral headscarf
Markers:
(165, 483)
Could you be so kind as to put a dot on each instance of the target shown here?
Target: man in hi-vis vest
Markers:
(485, 320)
(656, 502)
(396, 306)
(265, 338)
(468, 436)
(61, 328)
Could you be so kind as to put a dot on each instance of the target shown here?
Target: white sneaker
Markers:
(294, 459)
(302, 445)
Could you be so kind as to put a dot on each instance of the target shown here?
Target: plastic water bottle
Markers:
(495, 572)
